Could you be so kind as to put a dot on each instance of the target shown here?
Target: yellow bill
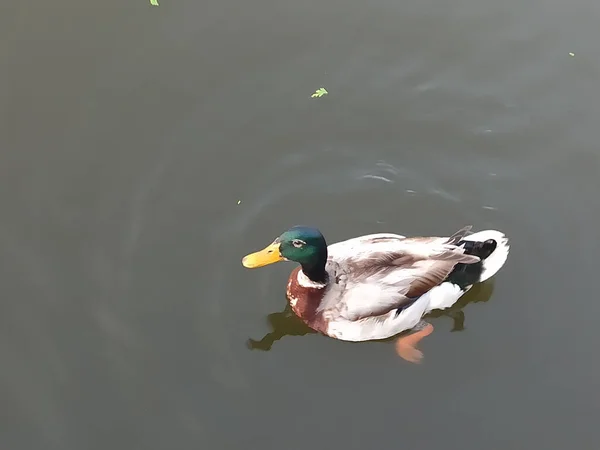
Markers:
(266, 256)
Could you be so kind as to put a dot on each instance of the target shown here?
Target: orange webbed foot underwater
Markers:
(406, 346)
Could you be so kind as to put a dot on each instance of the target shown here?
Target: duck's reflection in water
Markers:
(286, 323)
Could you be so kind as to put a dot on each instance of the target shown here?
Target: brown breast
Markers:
(305, 301)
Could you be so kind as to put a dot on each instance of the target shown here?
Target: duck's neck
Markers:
(305, 282)
(315, 271)
(317, 275)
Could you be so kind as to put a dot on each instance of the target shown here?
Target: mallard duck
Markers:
(376, 286)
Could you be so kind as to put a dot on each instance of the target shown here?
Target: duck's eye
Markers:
(298, 243)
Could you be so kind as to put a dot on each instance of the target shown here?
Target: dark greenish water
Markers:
(129, 133)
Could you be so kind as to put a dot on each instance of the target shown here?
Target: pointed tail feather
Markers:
(459, 235)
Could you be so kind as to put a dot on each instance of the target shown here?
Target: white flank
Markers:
(382, 327)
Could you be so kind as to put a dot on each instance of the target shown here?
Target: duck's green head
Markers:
(304, 245)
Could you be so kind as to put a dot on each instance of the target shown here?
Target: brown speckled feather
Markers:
(305, 302)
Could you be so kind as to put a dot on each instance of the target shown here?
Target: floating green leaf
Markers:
(154, 2)
(320, 92)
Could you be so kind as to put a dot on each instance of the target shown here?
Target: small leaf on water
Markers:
(571, 54)
(154, 2)
(320, 93)
(239, 201)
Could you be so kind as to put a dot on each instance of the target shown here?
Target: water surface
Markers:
(129, 133)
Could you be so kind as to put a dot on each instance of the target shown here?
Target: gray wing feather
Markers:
(376, 282)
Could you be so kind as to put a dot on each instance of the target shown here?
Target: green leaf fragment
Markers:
(320, 93)
(154, 2)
